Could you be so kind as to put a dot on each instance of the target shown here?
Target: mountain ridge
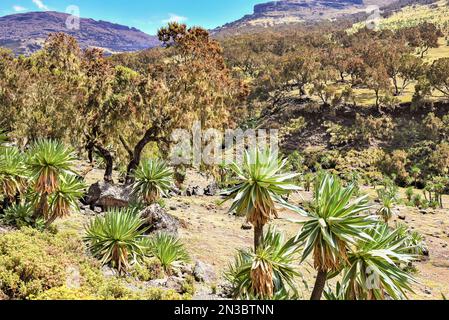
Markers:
(25, 33)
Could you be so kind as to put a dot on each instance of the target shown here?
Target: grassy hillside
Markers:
(437, 13)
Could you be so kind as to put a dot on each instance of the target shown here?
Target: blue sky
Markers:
(147, 15)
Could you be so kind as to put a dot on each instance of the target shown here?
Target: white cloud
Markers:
(175, 18)
(40, 4)
(19, 8)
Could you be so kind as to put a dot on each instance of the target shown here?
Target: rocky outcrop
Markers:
(204, 272)
(107, 195)
(159, 220)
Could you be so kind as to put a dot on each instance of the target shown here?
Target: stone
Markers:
(98, 210)
(158, 283)
(107, 195)
(108, 272)
(211, 190)
(4, 230)
(159, 220)
(194, 191)
(247, 226)
(204, 272)
(175, 283)
(174, 191)
(88, 212)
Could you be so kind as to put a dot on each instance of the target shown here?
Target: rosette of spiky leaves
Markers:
(415, 242)
(3, 137)
(259, 184)
(47, 160)
(18, 215)
(334, 222)
(13, 172)
(117, 238)
(338, 294)
(267, 274)
(168, 249)
(153, 179)
(374, 267)
(387, 204)
(65, 198)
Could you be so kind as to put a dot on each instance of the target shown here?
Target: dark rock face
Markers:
(25, 33)
(106, 195)
(159, 220)
(211, 190)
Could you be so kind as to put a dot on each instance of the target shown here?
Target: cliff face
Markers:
(297, 5)
(296, 11)
(26, 33)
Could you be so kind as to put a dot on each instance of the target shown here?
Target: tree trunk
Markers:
(150, 135)
(90, 150)
(49, 222)
(258, 237)
(107, 156)
(319, 285)
(40, 210)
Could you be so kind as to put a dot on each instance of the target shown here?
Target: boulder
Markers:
(204, 272)
(4, 229)
(107, 195)
(194, 191)
(211, 190)
(172, 282)
(174, 191)
(159, 220)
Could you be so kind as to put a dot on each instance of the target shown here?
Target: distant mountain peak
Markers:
(25, 33)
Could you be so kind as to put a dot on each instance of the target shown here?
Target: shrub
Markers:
(266, 274)
(32, 262)
(64, 293)
(148, 269)
(409, 194)
(188, 285)
(418, 201)
(153, 180)
(396, 164)
(18, 215)
(65, 198)
(381, 252)
(117, 238)
(13, 172)
(414, 242)
(168, 250)
(388, 200)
